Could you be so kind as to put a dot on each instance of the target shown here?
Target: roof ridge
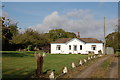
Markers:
(86, 40)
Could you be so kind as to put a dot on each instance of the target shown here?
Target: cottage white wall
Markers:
(85, 47)
(78, 43)
(65, 47)
(99, 46)
(53, 48)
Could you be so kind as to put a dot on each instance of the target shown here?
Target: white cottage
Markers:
(76, 45)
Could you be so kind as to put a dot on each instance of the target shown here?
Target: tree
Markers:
(59, 33)
(71, 35)
(7, 32)
(30, 37)
(13, 29)
(113, 41)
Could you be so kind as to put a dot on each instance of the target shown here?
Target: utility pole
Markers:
(104, 35)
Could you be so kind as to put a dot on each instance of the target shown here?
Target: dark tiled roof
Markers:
(62, 40)
(86, 40)
(90, 40)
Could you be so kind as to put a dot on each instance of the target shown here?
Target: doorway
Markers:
(75, 49)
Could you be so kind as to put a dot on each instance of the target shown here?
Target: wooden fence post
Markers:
(39, 60)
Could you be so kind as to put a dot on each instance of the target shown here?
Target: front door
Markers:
(75, 49)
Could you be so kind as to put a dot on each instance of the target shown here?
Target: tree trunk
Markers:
(39, 60)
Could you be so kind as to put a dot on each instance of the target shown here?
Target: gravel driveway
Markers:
(112, 74)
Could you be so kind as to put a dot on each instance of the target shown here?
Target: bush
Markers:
(29, 47)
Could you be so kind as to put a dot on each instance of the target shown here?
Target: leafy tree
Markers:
(13, 29)
(113, 41)
(30, 37)
(71, 35)
(56, 34)
(7, 32)
(59, 33)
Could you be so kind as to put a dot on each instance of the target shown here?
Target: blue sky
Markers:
(37, 13)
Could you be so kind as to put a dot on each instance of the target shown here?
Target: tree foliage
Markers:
(12, 38)
(59, 33)
(30, 37)
(112, 40)
(8, 31)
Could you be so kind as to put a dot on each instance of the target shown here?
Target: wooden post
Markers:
(39, 60)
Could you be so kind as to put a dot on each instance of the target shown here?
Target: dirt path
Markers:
(85, 73)
(114, 68)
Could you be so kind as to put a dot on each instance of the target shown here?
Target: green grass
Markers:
(17, 64)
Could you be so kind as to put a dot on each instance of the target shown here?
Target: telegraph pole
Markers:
(104, 35)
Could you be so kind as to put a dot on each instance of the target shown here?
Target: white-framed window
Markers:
(80, 47)
(58, 47)
(93, 47)
(69, 47)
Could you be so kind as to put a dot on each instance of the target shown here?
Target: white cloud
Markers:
(76, 21)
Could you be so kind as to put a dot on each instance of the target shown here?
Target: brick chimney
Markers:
(78, 34)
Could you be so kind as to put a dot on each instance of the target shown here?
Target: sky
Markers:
(84, 17)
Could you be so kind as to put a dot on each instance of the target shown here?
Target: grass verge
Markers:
(17, 64)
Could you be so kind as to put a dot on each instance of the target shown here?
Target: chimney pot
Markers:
(78, 34)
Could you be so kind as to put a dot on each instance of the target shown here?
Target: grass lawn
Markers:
(17, 64)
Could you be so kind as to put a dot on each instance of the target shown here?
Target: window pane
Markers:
(75, 48)
(69, 47)
(58, 47)
(80, 47)
(93, 47)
